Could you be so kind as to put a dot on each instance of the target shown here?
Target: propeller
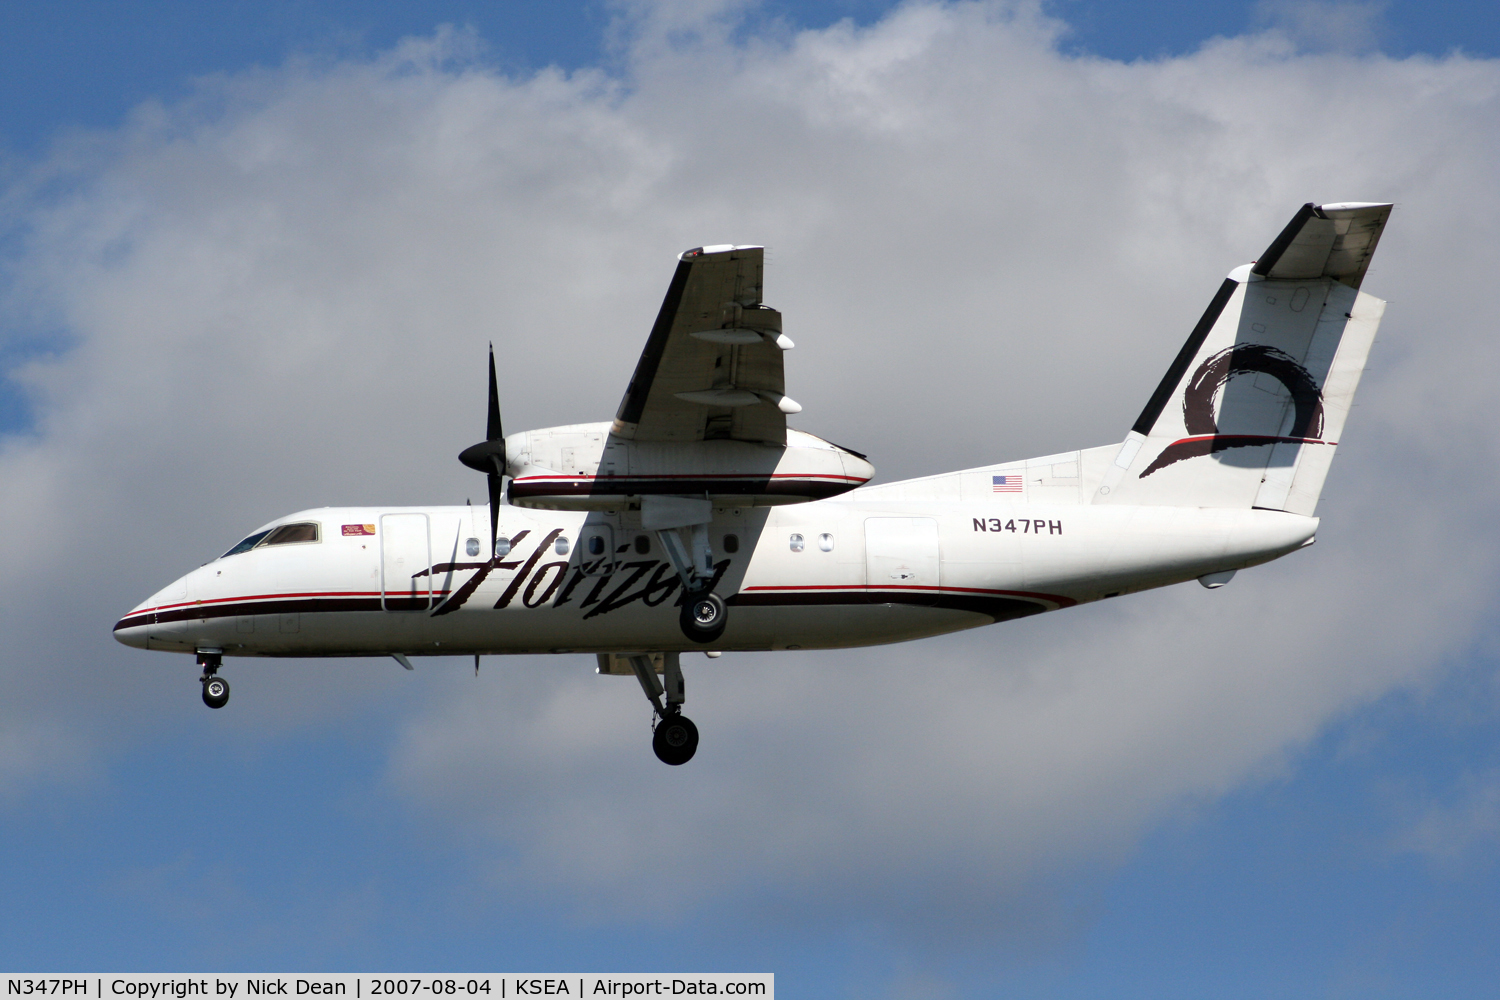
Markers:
(488, 456)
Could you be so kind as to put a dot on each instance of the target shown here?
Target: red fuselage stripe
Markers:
(277, 597)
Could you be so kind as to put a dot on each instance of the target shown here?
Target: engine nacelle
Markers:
(584, 467)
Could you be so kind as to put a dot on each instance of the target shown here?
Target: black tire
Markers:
(703, 617)
(216, 692)
(675, 740)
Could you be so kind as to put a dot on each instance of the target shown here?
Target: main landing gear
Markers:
(215, 688)
(704, 615)
(675, 738)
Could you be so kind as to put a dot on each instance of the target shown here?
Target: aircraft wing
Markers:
(712, 366)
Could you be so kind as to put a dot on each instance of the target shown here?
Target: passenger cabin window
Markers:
(797, 543)
(472, 547)
(288, 534)
(642, 544)
(596, 545)
(731, 543)
(825, 542)
(502, 546)
(561, 547)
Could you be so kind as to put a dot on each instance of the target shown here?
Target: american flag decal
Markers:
(1007, 484)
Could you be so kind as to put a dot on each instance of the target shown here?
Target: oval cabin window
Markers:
(562, 546)
(596, 545)
(731, 543)
(825, 542)
(472, 547)
(797, 543)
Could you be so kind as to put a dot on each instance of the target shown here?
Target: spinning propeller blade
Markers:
(489, 455)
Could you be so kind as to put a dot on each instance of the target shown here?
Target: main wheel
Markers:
(703, 617)
(216, 692)
(675, 740)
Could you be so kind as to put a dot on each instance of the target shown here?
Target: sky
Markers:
(250, 257)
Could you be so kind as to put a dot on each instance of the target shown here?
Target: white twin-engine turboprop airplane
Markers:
(698, 520)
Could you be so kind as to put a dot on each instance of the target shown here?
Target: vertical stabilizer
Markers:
(1252, 408)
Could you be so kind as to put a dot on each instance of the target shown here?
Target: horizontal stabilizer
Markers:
(1326, 241)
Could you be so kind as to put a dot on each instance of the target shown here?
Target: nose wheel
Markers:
(216, 692)
(215, 688)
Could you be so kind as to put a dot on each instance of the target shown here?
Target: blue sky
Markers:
(331, 819)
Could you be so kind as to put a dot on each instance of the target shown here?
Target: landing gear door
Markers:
(405, 552)
(901, 559)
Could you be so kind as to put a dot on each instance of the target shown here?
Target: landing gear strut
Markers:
(215, 688)
(675, 738)
(704, 615)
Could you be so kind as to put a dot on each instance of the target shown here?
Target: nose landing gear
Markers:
(675, 738)
(216, 692)
(215, 689)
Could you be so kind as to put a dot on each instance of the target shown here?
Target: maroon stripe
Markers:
(203, 612)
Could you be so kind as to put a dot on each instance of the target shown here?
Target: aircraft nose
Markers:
(134, 629)
(130, 635)
(131, 629)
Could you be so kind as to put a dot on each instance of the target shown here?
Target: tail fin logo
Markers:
(1205, 385)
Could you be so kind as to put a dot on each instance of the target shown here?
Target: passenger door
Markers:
(405, 550)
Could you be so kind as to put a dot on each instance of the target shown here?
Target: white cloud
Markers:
(279, 293)
(1321, 25)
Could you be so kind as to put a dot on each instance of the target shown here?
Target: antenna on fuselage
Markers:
(489, 455)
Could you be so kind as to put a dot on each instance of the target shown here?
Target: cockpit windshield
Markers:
(247, 544)
(306, 531)
(282, 534)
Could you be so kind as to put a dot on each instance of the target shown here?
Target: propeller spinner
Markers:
(488, 456)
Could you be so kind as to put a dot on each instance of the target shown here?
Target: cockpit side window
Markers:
(247, 544)
(286, 534)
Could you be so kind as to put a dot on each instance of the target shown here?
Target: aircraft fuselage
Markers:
(826, 574)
